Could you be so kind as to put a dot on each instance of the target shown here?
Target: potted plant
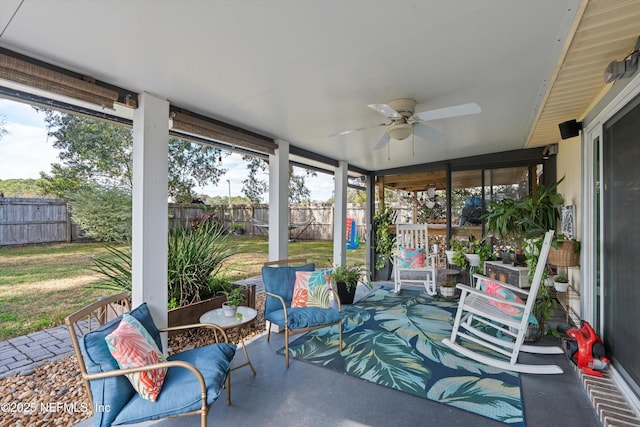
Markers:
(448, 287)
(561, 283)
(235, 297)
(346, 279)
(383, 242)
(502, 221)
(458, 249)
(566, 252)
(539, 213)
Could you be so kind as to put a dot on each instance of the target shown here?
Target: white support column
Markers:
(340, 215)
(279, 202)
(150, 219)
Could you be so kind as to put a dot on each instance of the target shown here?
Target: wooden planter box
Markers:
(191, 313)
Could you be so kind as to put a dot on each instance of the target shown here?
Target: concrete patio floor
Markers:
(307, 395)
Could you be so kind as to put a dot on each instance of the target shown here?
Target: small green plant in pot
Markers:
(561, 283)
(346, 279)
(235, 297)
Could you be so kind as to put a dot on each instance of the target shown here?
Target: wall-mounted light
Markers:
(570, 128)
(623, 69)
(549, 150)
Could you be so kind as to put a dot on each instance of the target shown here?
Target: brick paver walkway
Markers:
(26, 352)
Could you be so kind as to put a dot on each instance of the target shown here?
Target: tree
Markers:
(254, 188)
(19, 188)
(98, 152)
(104, 213)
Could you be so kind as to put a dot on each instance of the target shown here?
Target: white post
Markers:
(150, 219)
(279, 202)
(340, 215)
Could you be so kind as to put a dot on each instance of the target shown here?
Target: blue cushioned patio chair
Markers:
(193, 381)
(279, 278)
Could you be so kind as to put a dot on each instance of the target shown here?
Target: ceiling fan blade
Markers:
(347, 132)
(453, 111)
(384, 140)
(427, 132)
(385, 110)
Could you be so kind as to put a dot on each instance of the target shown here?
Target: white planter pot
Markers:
(561, 287)
(447, 291)
(229, 310)
(449, 255)
(474, 259)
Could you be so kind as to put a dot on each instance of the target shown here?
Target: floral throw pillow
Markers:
(132, 346)
(411, 257)
(311, 289)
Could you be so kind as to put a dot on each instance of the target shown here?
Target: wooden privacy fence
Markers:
(307, 222)
(27, 221)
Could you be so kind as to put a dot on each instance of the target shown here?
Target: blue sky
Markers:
(25, 151)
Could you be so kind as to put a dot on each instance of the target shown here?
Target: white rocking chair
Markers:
(510, 317)
(414, 238)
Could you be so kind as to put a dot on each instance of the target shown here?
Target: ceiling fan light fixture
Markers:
(400, 131)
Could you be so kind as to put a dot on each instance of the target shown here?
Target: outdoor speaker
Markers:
(570, 129)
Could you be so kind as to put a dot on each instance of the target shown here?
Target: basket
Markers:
(565, 255)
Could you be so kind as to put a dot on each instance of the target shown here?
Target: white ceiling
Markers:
(300, 70)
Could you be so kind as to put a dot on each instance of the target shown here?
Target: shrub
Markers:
(195, 259)
(194, 256)
(104, 213)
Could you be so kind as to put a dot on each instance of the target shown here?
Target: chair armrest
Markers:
(483, 294)
(335, 295)
(217, 328)
(284, 306)
(167, 364)
(478, 276)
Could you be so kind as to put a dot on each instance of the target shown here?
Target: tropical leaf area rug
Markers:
(396, 341)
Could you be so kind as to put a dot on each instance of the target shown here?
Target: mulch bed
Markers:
(53, 395)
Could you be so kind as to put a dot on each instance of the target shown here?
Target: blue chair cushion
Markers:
(304, 317)
(112, 393)
(280, 281)
(181, 390)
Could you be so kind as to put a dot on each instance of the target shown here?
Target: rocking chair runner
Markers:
(412, 262)
(503, 312)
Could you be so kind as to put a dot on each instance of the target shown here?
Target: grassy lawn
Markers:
(40, 285)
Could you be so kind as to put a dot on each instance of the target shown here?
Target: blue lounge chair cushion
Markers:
(114, 392)
(280, 281)
(181, 390)
(115, 400)
(304, 317)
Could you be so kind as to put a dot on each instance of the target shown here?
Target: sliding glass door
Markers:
(621, 243)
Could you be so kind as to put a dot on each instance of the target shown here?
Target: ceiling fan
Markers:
(402, 116)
